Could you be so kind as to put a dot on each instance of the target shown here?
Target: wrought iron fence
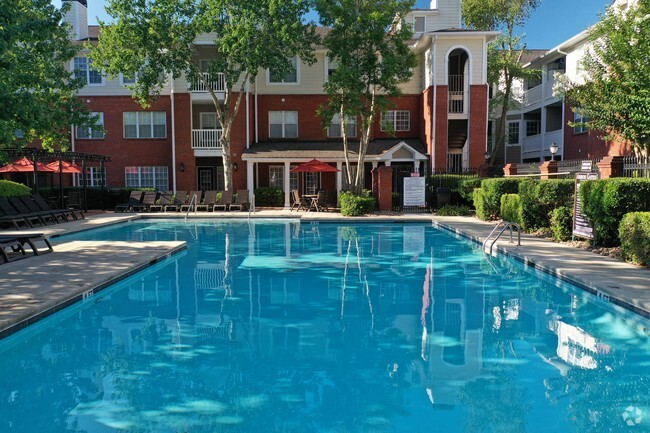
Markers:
(634, 166)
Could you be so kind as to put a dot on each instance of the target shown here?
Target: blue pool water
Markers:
(277, 326)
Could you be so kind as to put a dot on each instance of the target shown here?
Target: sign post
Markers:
(582, 227)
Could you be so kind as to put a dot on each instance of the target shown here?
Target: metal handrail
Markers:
(504, 225)
(189, 206)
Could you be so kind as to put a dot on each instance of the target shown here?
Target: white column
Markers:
(250, 185)
(339, 182)
(375, 164)
(287, 185)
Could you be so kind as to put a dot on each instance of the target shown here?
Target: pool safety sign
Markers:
(414, 191)
(582, 227)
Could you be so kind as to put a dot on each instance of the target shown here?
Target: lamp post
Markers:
(554, 148)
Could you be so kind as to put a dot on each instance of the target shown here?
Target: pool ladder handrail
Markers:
(190, 206)
(503, 225)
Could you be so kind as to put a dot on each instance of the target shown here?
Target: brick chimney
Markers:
(77, 18)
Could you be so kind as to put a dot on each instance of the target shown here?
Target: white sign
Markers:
(414, 191)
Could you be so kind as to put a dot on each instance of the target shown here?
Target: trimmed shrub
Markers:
(561, 220)
(634, 233)
(487, 198)
(10, 189)
(540, 197)
(356, 205)
(453, 210)
(606, 201)
(511, 208)
(466, 189)
(269, 196)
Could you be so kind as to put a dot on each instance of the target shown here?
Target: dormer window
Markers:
(419, 24)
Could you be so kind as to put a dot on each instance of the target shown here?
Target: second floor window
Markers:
(290, 77)
(513, 133)
(581, 119)
(82, 67)
(397, 120)
(334, 129)
(84, 132)
(533, 127)
(283, 124)
(145, 124)
(418, 24)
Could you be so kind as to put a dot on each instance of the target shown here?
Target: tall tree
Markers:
(615, 93)
(37, 94)
(367, 42)
(504, 54)
(150, 36)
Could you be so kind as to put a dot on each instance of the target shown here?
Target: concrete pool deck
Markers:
(28, 290)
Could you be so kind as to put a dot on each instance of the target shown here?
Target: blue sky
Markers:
(552, 23)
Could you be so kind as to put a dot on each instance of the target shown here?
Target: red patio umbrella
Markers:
(66, 167)
(24, 165)
(315, 166)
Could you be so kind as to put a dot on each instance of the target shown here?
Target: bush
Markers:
(606, 201)
(454, 182)
(561, 220)
(269, 196)
(466, 189)
(10, 189)
(453, 210)
(487, 198)
(511, 208)
(356, 205)
(634, 233)
(540, 197)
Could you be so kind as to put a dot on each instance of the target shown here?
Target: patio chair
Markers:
(177, 201)
(191, 202)
(164, 200)
(14, 207)
(208, 201)
(224, 202)
(149, 199)
(75, 201)
(9, 215)
(321, 201)
(298, 202)
(241, 202)
(13, 247)
(34, 209)
(43, 205)
(135, 199)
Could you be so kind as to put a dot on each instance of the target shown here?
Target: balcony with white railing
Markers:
(539, 145)
(205, 81)
(457, 94)
(532, 146)
(206, 141)
(533, 95)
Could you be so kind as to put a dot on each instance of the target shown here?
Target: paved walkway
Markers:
(27, 287)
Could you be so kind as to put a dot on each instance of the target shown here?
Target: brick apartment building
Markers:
(440, 122)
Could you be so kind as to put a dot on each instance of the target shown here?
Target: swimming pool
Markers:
(277, 326)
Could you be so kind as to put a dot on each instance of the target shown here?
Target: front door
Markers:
(205, 179)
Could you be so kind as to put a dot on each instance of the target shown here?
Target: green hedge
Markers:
(606, 201)
(561, 222)
(355, 205)
(269, 196)
(634, 233)
(453, 210)
(467, 187)
(455, 184)
(487, 198)
(10, 189)
(540, 197)
(511, 208)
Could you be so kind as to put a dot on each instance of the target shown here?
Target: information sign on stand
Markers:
(582, 227)
(414, 191)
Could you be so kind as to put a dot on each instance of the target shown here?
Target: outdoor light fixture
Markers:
(234, 166)
(486, 155)
(554, 148)
(181, 167)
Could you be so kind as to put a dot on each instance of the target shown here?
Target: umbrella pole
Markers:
(61, 183)
(35, 175)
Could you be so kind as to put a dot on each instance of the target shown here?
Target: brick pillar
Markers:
(478, 118)
(510, 170)
(375, 183)
(484, 170)
(385, 188)
(611, 166)
(548, 167)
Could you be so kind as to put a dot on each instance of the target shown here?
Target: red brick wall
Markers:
(588, 145)
(477, 124)
(441, 131)
(186, 180)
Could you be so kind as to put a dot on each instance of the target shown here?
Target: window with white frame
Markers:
(334, 130)
(147, 177)
(294, 181)
(283, 124)
(312, 181)
(533, 127)
(580, 120)
(128, 79)
(419, 24)
(290, 77)
(396, 120)
(276, 176)
(332, 64)
(95, 176)
(513, 133)
(82, 67)
(145, 124)
(84, 132)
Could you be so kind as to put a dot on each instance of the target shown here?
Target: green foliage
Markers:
(487, 198)
(511, 208)
(37, 95)
(372, 57)
(606, 201)
(540, 197)
(466, 189)
(615, 96)
(10, 189)
(269, 196)
(453, 210)
(357, 205)
(561, 221)
(456, 183)
(634, 232)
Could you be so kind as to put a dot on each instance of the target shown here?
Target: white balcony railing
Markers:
(457, 94)
(536, 145)
(533, 95)
(207, 139)
(217, 83)
(532, 145)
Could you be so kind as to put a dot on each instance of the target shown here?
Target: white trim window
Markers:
(145, 124)
(283, 124)
(276, 176)
(156, 177)
(419, 24)
(126, 80)
(334, 130)
(95, 177)
(581, 119)
(82, 68)
(84, 132)
(292, 77)
(396, 120)
(512, 137)
(330, 66)
(533, 127)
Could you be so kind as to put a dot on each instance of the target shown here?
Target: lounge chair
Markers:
(298, 202)
(191, 201)
(224, 202)
(10, 210)
(164, 200)
(241, 202)
(34, 209)
(75, 201)
(16, 244)
(149, 199)
(208, 201)
(42, 204)
(135, 199)
(177, 201)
